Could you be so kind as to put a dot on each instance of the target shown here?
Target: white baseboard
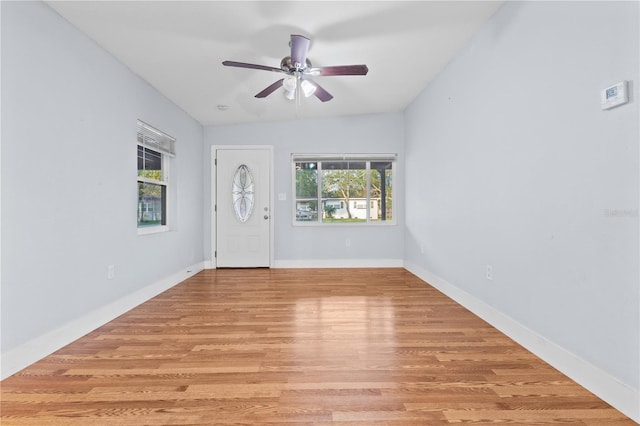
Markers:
(26, 354)
(621, 396)
(329, 263)
(338, 263)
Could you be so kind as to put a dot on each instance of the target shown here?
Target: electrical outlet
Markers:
(422, 248)
(111, 272)
(347, 242)
(489, 272)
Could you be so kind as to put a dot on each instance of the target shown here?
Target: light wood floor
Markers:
(298, 347)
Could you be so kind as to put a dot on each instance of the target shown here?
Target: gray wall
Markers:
(506, 157)
(511, 162)
(69, 194)
(377, 133)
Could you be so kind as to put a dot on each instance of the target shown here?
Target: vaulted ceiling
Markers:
(178, 47)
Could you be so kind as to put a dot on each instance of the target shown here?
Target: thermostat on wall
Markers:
(614, 95)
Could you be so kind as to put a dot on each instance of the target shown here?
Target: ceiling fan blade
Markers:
(299, 49)
(251, 66)
(339, 70)
(320, 92)
(269, 90)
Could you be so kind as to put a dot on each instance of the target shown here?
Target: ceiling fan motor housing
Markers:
(287, 66)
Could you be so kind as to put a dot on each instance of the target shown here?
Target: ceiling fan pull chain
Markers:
(298, 102)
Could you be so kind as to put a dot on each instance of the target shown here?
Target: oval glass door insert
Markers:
(242, 193)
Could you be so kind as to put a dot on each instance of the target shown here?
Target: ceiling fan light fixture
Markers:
(290, 84)
(290, 94)
(307, 88)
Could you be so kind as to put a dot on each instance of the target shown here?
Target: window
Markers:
(343, 188)
(154, 150)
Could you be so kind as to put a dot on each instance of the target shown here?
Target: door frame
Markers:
(214, 217)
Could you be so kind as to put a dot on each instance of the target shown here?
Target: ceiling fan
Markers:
(298, 72)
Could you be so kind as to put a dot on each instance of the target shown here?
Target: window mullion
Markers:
(368, 190)
(320, 207)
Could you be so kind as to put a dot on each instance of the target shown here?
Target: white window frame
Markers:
(159, 142)
(367, 158)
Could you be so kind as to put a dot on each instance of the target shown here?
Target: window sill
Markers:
(152, 230)
(338, 224)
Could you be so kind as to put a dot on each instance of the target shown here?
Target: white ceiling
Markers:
(178, 47)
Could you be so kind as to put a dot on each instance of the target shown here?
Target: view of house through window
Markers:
(347, 190)
(154, 150)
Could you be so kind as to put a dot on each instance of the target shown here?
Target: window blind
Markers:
(152, 138)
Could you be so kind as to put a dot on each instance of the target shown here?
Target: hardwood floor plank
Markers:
(570, 416)
(297, 347)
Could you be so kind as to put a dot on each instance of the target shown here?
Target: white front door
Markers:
(243, 211)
